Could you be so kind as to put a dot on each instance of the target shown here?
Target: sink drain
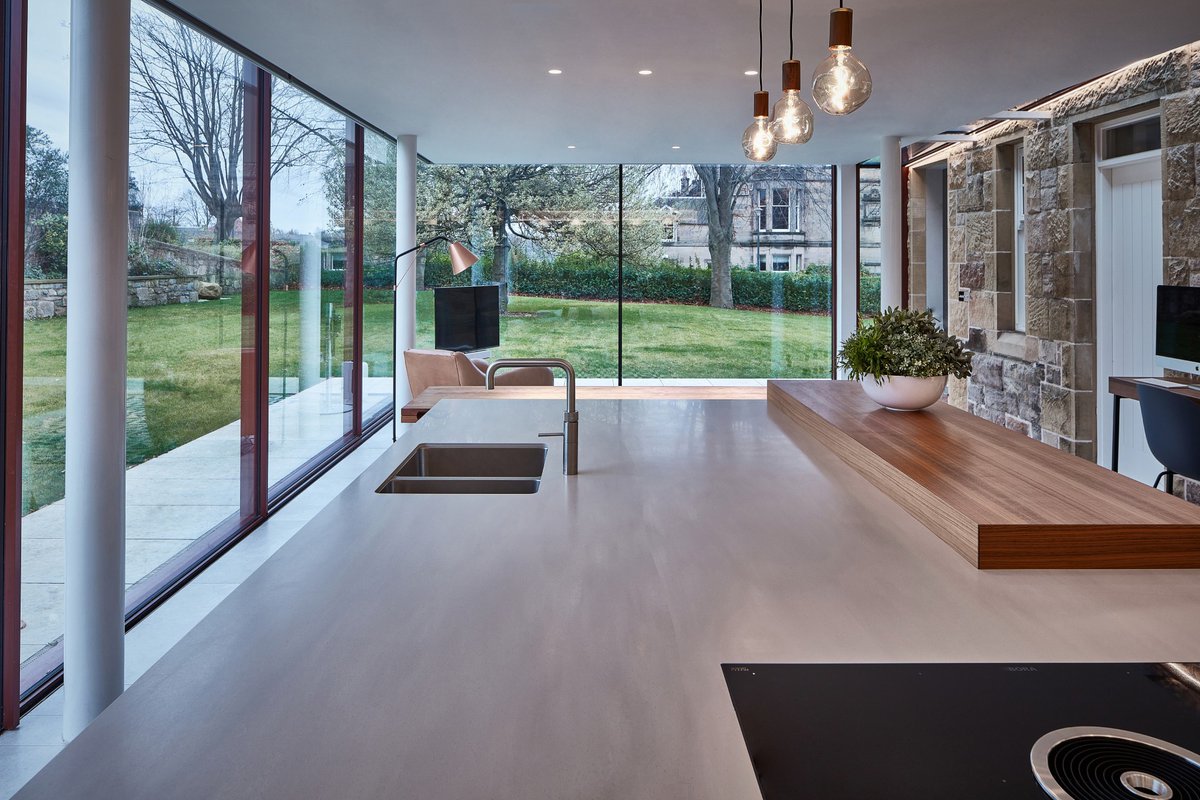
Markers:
(1147, 786)
(1110, 764)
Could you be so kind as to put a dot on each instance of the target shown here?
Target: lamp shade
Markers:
(461, 259)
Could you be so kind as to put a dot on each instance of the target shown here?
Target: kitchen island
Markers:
(568, 643)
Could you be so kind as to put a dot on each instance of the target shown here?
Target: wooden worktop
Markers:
(420, 405)
(1001, 499)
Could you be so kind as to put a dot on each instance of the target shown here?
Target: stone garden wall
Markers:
(1042, 381)
(207, 267)
(45, 299)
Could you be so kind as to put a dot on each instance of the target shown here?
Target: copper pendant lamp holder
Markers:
(792, 79)
(841, 28)
(762, 104)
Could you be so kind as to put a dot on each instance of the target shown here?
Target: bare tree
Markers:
(722, 185)
(187, 97)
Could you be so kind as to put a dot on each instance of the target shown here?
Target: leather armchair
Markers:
(427, 368)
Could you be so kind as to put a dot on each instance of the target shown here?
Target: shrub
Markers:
(159, 230)
(48, 247)
(901, 342)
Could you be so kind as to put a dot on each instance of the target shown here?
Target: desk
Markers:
(1126, 389)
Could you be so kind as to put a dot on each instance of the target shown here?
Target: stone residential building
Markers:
(782, 221)
(1052, 226)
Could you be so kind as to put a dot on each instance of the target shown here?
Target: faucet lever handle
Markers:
(551, 434)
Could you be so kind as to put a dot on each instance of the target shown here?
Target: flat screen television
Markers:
(1177, 328)
(466, 318)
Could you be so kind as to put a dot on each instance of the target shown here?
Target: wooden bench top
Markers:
(999, 498)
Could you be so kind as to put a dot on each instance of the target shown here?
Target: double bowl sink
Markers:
(469, 469)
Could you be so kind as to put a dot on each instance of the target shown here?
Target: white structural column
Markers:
(310, 312)
(97, 252)
(846, 230)
(406, 237)
(891, 223)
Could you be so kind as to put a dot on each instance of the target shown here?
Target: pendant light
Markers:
(841, 82)
(793, 118)
(758, 142)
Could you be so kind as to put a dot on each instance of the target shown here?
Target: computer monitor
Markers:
(466, 318)
(1177, 329)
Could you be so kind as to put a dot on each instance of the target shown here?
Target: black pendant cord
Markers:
(791, 26)
(760, 45)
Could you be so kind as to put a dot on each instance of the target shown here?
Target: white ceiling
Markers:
(468, 77)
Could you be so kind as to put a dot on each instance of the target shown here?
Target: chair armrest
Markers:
(525, 376)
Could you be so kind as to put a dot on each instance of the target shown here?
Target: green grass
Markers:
(184, 366)
(661, 340)
(185, 360)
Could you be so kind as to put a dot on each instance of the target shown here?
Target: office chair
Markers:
(1172, 424)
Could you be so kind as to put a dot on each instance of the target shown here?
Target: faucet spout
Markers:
(570, 432)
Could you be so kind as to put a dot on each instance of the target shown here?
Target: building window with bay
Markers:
(781, 208)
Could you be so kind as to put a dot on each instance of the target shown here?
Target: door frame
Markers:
(1104, 267)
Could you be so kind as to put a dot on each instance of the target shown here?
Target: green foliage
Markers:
(45, 175)
(140, 263)
(46, 246)
(160, 230)
(578, 276)
(902, 342)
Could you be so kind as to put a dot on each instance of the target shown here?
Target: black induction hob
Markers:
(908, 731)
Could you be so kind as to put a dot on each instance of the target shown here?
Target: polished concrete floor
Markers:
(26, 750)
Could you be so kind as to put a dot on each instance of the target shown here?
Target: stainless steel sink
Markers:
(469, 469)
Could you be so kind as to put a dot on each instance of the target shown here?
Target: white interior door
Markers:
(1130, 267)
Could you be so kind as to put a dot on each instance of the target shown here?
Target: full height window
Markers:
(236, 322)
(588, 275)
(1019, 287)
(869, 269)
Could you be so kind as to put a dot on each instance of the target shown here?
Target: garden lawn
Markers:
(184, 364)
(184, 360)
(661, 340)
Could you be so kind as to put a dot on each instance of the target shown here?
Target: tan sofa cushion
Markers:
(427, 368)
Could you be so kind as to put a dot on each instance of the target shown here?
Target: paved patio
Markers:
(175, 498)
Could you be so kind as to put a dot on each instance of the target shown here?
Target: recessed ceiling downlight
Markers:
(570, 147)
(645, 72)
(750, 72)
(554, 71)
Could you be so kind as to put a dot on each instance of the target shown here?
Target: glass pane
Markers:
(1137, 137)
(310, 404)
(379, 247)
(546, 237)
(185, 327)
(45, 331)
(868, 240)
(733, 303)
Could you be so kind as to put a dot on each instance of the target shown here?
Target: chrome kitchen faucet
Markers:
(570, 431)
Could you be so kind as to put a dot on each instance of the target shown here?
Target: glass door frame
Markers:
(258, 499)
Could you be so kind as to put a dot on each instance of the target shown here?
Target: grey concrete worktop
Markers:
(567, 644)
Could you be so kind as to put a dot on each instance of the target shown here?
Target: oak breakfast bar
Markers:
(568, 643)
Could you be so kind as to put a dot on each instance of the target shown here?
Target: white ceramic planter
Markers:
(901, 393)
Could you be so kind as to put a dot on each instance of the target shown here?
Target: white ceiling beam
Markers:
(940, 137)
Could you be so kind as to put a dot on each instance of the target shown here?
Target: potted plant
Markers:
(902, 359)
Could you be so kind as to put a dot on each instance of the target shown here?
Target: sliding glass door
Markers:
(261, 225)
(642, 274)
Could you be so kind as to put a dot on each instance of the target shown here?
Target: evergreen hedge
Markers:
(576, 277)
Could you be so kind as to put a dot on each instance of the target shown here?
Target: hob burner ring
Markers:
(1087, 763)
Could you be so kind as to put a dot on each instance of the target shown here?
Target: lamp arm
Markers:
(396, 260)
